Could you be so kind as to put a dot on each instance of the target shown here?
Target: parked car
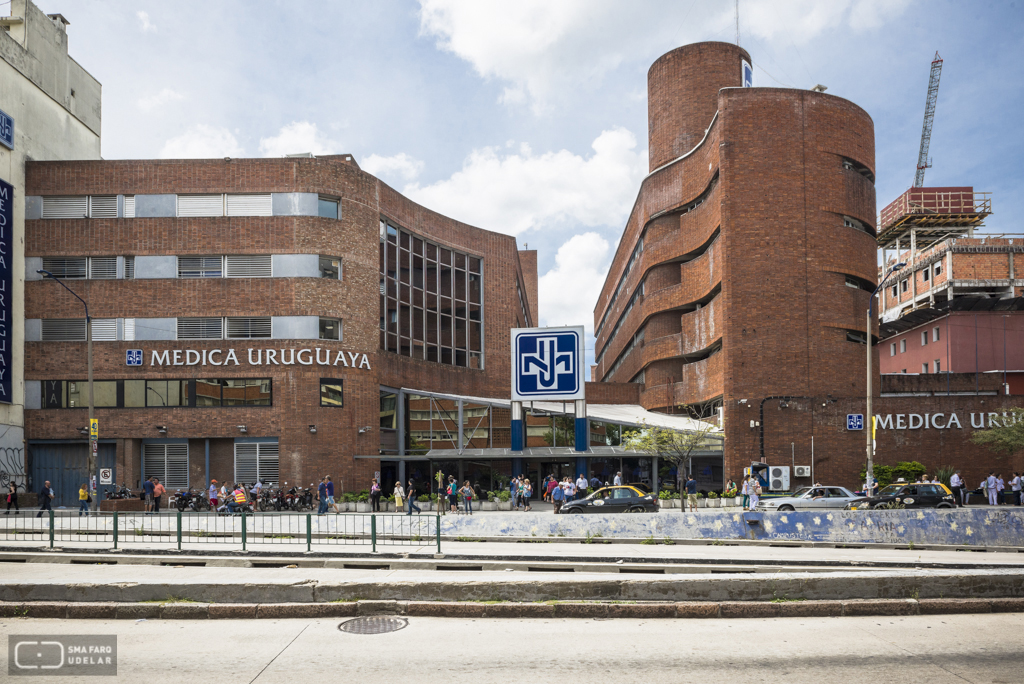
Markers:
(621, 499)
(929, 495)
(809, 498)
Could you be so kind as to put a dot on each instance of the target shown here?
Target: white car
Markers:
(810, 498)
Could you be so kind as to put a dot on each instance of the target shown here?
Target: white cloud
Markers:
(513, 193)
(544, 49)
(202, 142)
(164, 97)
(297, 137)
(568, 292)
(147, 26)
(398, 167)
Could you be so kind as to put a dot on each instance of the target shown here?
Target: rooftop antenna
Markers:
(923, 162)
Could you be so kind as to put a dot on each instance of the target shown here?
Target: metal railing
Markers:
(299, 531)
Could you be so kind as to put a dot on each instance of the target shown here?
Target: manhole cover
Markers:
(373, 625)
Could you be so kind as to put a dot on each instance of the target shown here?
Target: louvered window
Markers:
(103, 268)
(200, 205)
(200, 267)
(103, 206)
(129, 329)
(256, 461)
(63, 330)
(168, 463)
(249, 327)
(129, 267)
(66, 267)
(200, 328)
(129, 206)
(249, 205)
(254, 266)
(104, 329)
(65, 207)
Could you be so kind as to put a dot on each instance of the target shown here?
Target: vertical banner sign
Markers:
(6, 285)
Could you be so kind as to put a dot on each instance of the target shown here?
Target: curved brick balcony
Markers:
(701, 381)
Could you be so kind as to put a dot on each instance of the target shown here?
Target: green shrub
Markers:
(712, 495)
(908, 470)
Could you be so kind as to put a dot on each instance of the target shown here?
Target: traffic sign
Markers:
(94, 428)
(854, 421)
(106, 476)
(547, 363)
(133, 357)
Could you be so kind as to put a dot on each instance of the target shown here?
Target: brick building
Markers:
(742, 279)
(280, 306)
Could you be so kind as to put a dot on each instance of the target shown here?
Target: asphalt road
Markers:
(950, 648)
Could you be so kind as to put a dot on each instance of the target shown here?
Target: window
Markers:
(924, 367)
(852, 282)
(159, 393)
(904, 371)
(935, 334)
(248, 328)
(331, 393)
(65, 207)
(924, 338)
(926, 273)
(330, 328)
(855, 336)
(245, 392)
(104, 329)
(167, 462)
(129, 206)
(66, 267)
(895, 292)
(200, 205)
(129, 268)
(937, 365)
(327, 207)
(103, 206)
(257, 266)
(892, 349)
(938, 268)
(256, 461)
(207, 393)
(903, 346)
(249, 205)
(200, 328)
(903, 285)
(200, 267)
(330, 267)
(104, 393)
(63, 330)
(103, 268)
(129, 330)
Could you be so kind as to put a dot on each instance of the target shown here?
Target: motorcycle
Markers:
(122, 493)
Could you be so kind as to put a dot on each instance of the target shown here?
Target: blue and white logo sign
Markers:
(6, 130)
(748, 74)
(547, 363)
(854, 421)
(133, 357)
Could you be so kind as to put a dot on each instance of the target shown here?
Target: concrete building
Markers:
(54, 107)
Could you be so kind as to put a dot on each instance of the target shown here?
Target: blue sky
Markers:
(530, 117)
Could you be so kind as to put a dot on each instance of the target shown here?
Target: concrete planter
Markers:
(504, 505)
(737, 501)
(702, 503)
(714, 503)
(362, 507)
(488, 505)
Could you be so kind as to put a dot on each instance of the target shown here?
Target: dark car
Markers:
(620, 499)
(920, 495)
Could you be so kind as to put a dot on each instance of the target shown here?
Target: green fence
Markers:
(297, 532)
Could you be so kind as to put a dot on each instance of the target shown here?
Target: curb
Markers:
(455, 609)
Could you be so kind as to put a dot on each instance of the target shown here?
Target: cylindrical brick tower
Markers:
(682, 95)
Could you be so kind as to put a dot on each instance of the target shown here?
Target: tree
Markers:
(1006, 434)
(676, 447)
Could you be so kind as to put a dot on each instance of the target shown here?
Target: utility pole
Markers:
(869, 427)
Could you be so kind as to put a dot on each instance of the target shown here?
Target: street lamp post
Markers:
(91, 460)
(869, 428)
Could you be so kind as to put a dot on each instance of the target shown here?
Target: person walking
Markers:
(513, 486)
(399, 495)
(467, 496)
(581, 486)
(212, 495)
(1000, 488)
(1015, 489)
(595, 482)
(158, 491)
(557, 498)
(746, 493)
(570, 489)
(755, 493)
(452, 490)
(147, 495)
(527, 493)
(552, 485)
(618, 478)
(990, 488)
(691, 493)
(46, 496)
(411, 493)
(83, 500)
(956, 485)
(321, 496)
(12, 499)
(374, 496)
(329, 485)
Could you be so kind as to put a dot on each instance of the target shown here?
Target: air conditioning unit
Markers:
(778, 478)
(802, 471)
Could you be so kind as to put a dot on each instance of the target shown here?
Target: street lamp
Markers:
(870, 416)
(88, 340)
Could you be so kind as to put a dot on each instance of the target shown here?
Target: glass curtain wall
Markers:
(431, 300)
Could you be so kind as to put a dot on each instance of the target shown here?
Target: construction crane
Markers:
(929, 118)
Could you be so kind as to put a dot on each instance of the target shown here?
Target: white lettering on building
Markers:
(277, 357)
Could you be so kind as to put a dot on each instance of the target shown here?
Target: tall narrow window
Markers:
(935, 334)
(129, 268)
(937, 366)
(129, 206)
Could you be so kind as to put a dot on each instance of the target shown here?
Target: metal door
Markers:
(66, 465)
